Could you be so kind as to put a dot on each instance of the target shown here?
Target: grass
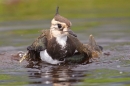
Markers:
(105, 77)
(4, 77)
(45, 9)
(83, 26)
(23, 32)
(11, 81)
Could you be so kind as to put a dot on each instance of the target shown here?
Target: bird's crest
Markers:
(57, 10)
(61, 18)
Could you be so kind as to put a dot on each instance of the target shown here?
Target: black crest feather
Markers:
(57, 10)
(61, 18)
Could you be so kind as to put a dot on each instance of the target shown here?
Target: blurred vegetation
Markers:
(17, 81)
(4, 77)
(45, 9)
(106, 77)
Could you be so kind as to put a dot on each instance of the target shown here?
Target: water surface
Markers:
(109, 70)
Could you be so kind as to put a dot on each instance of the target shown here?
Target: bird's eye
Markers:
(59, 25)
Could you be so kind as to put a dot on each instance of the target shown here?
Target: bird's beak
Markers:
(71, 33)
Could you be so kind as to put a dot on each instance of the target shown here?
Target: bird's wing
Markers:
(93, 44)
(95, 49)
(84, 54)
(78, 58)
(38, 45)
(87, 51)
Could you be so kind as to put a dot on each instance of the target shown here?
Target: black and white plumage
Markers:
(59, 44)
(58, 48)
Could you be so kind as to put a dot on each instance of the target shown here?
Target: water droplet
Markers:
(20, 55)
(73, 75)
(46, 76)
(47, 82)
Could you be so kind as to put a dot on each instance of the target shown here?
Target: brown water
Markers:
(109, 70)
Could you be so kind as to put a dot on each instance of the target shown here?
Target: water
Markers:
(109, 70)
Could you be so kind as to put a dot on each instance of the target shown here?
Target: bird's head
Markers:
(60, 25)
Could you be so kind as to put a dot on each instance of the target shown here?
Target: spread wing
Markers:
(95, 49)
(85, 51)
(82, 56)
(38, 45)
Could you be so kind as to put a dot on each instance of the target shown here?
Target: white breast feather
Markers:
(47, 58)
(62, 40)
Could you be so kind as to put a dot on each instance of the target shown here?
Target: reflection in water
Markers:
(58, 75)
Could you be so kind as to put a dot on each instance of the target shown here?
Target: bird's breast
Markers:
(58, 51)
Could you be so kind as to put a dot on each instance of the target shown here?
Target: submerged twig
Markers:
(23, 57)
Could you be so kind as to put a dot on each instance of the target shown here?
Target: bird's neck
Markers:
(61, 40)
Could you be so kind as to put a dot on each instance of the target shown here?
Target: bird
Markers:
(59, 44)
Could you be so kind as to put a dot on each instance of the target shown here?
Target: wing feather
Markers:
(38, 45)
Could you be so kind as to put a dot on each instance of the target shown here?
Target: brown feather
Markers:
(62, 19)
